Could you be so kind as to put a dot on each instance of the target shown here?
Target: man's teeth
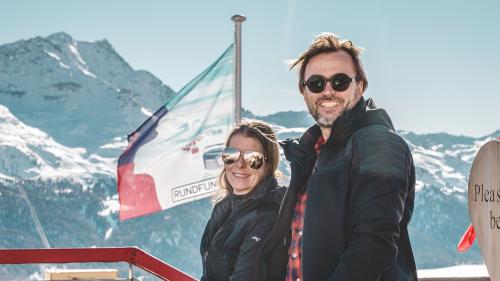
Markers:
(328, 104)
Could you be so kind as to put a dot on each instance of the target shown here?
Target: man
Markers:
(346, 211)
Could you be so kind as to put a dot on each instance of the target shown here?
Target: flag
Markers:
(467, 239)
(174, 156)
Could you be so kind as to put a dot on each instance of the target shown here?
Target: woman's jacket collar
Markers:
(259, 192)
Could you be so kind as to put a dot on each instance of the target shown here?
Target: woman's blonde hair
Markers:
(265, 135)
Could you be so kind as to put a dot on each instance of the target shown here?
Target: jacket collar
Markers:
(364, 113)
(264, 187)
(345, 125)
(258, 193)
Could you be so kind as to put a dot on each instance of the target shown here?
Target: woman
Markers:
(246, 214)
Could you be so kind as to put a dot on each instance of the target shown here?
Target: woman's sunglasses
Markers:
(340, 82)
(253, 159)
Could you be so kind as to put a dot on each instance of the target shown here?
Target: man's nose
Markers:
(328, 89)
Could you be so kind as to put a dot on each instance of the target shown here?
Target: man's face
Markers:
(326, 106)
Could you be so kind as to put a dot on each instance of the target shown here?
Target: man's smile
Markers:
(328, 104)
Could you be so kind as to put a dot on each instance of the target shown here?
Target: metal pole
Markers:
(238, 19)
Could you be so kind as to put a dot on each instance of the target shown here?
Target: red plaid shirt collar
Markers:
(294, 269)
(319, 143)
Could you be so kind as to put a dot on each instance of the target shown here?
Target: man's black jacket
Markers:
(360, 193)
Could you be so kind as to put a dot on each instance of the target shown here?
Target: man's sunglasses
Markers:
(340, 82)
(253, 159)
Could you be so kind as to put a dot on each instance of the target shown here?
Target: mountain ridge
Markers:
(73, 81)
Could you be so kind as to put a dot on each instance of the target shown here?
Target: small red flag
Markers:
(467, 239)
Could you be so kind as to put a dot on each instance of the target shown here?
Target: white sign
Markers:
(484, 204)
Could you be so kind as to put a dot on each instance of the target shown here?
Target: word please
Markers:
(486, 195)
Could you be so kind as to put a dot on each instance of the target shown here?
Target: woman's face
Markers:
(240, 176)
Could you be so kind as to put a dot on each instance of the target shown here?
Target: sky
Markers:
(432, 64)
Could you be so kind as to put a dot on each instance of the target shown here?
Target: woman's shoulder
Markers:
(222, 203)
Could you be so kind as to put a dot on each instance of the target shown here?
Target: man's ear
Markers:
(302, 90)
(361, 85)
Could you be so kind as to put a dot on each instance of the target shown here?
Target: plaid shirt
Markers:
(294, 269)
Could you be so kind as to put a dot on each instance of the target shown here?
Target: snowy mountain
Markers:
(65, 109)
(29, 153)
(83, 94)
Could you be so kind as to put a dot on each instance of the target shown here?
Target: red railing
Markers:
(131, 255)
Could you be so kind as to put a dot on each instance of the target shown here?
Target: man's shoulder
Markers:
(380, 150)
(378, 135)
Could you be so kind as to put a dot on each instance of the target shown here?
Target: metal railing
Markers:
(131, 255)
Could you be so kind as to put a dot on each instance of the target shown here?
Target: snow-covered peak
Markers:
(83, 94)
(60, 38)
(59, 49)
(29, 153)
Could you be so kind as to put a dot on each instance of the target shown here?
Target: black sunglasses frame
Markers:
(340, 82)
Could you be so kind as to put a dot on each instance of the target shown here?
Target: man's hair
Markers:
(326, 43)
(265, 135)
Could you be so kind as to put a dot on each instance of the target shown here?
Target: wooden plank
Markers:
(79, 274)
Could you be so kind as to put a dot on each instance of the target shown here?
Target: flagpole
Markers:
(238, 19)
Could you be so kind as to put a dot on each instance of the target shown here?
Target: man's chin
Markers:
(324, 122)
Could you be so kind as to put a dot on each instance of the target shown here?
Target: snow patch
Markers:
(419, 185)
(291, 130)
(120, 143)
(111, 205)
(146, 112)
(74, 50)
(478, 270)
(436, 147)
(81, 63)
(108, 233)
(57, 58)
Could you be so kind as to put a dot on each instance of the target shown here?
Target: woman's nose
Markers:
(241, 162)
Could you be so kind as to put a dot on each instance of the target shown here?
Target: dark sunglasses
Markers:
(340, 82)
(253, 159)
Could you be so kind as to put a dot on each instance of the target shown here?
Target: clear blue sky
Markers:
(434, 65)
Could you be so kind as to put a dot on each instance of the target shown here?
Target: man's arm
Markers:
(379, 186)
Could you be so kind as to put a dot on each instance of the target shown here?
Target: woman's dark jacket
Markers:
(236, 230)
(360, 193)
